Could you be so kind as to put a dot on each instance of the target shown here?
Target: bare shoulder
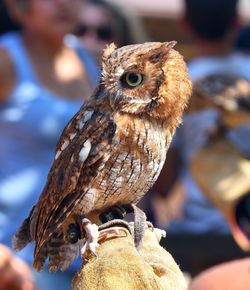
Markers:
(7, 75)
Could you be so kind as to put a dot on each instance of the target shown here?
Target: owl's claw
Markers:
(116, 214)
(92, 237)
(114, 224)
(113, 232)
(149, 225)
(95, 234)
(113, 228)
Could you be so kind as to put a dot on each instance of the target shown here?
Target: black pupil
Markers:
(133, 78)
(243, 215)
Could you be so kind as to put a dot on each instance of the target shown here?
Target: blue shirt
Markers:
(31, 122)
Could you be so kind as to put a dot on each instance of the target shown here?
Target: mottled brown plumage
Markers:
(229, 94)
(113, 150)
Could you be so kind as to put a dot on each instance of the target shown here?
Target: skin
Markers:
(230, 275)
(14, 273)
(57, 67)
(94, 16)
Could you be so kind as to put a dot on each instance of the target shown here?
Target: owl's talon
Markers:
(149, 225)
(113, 213)
(115, 223)
(92, 235)
(112, 232)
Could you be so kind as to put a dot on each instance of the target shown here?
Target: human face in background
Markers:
(49, 17)
(95, 28)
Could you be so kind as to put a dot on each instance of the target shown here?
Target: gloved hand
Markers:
(118, 265)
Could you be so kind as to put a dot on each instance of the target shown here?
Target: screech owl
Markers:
(112, 151)
(223, 91)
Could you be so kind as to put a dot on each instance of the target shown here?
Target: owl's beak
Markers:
(153, 103)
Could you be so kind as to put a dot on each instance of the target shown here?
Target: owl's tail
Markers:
(23, 236)
(61, 254)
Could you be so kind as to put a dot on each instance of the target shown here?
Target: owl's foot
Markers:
(115, 212)
(92, 236)
(95, 235)
(110, 217)
(113, 224)
(113, 218)
(114, 229)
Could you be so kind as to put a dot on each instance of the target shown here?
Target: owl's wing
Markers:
(81, 152)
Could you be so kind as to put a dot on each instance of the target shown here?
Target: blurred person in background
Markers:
(7, 24)
(43, 83)
(213, 25)
(101, 22)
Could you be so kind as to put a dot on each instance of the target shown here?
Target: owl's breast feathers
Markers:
(139, 150)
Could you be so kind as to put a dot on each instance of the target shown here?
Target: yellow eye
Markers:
(131, 79)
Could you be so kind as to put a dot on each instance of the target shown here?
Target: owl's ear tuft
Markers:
(108, 50)
(157, 54)
(170, 44)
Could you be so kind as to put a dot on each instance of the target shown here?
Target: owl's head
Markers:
(147, 79)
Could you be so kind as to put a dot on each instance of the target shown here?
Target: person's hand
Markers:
(14, 273)
(119, 265)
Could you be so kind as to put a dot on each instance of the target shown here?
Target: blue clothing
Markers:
(235, 63)
(31, 122)
(54, 281)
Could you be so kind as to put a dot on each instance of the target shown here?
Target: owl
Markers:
(225, 158)
(230, 94)
(112, 151)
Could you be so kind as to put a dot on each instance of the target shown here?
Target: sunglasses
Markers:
(103, 32)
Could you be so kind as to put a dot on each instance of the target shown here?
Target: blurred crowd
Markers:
(50, 57)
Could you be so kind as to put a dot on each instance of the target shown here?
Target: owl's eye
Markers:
(131, 79)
